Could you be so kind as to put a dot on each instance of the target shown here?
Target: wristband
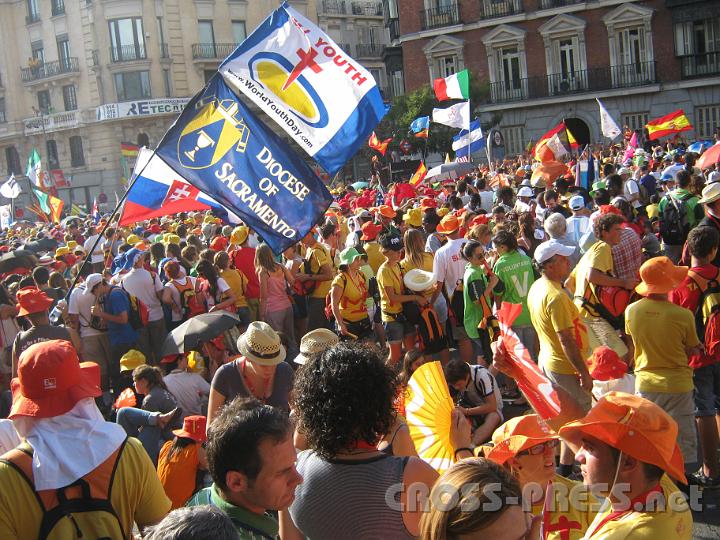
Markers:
(463, 448)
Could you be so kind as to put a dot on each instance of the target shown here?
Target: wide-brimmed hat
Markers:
(51, 380)
(413, 217)
(32, 300)
(193, 428)
(131, 359)
(348, 255)
(518, 434)
(239, 234)
(370, 231)
(387, 211)
(710, 193)
(597, 186)
(659, 276)
(418, 280)
(605, 364)
(261, 344)
(525, 191)
(448, 225)
(314, 342)
(428, 202)
(635, 426)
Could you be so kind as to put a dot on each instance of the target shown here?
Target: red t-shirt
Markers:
(244, 260)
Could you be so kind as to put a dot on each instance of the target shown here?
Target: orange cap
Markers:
(659, 276)
(387, 211)
(448, 225)
(635, 426)
(518, 434)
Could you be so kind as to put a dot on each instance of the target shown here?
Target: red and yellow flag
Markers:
(675, 122)
(56, 208)
(419, 175)
(375, 143)
(423, 134)
(129, 150)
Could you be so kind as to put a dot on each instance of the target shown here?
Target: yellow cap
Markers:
(172, 239)
(131, 359)
(62, 250)
(72, 244)
(442, 212)
(133, 239)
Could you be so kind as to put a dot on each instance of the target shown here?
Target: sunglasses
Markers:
(539, 448)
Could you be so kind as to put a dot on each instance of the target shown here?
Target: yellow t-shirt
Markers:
(673, 522)
(354, 294)
(569, 511)
(319, 256)
(661, 331)
(137, 496)
(375, 257)
(427, 266)
(389, 276)
(599, 256)
(552, 311)
(237, 282)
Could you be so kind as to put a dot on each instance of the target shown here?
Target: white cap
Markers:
(624, 170)
(549, 249)
(91, 282)
(714, 177)
(525, 191)
(576, 202)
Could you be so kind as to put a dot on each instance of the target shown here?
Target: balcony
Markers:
(212, 51)
(393, 26)
(333, 7)
(58, 7)
(550, 4)
(31, 18)
(164, 50)
(700, 65)
(346, 47)
(440, 16)
(492, 9)
(128, 53)
(577, 82)
(50, 69)
(370, 50)
(367, 9)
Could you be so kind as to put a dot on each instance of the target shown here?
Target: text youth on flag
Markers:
(457, 115)
(219, 146)
(474, 138)
(326, 101)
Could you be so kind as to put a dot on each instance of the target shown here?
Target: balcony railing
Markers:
(370, 50)
(491, 9)
(346, 47)
(549, 4)
(211, 51)
(164, 50)
(369, 9)
(58, 7)
(577, 82)
(333, 7)
(700, 65)
(440, 16)
(128, 53)
(50, 69)
(393, 26)
(32, 18)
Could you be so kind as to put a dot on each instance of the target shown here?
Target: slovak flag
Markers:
(95, 211)
(160, 191)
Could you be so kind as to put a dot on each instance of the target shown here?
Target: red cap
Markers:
(51, 380)
(32, 300)
(427, 202)
(193, 428)
(219, 243)
(609, 209)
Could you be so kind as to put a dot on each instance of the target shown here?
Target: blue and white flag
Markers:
(326, 101)
(219, 147)
(474, 139)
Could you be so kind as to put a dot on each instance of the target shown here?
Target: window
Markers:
(167, 81)
(514, 140)
(707, 121)
(127, 39)
(58, 7)
(697, 43)
(13, 160)
(509, 63)
(398, 83)
(206, 32)
(63, 46)
(3, 118)
(446, 66)
(69, 97)
(238, 28)
(52, 154)
(635, 120)
(132, 85)
(77, 158)
(43, 97)
(632, 61)
(161, 32)
(33, 11)
(38, 52)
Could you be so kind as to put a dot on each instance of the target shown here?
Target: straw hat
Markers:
(239, 234)
(261, 344)
(418, 280)
(314, 342)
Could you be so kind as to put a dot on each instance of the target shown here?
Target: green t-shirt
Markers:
(474, 285)
(516, 273)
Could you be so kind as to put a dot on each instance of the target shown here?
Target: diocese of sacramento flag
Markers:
(474, 139)
(219, 147)
(326, 101)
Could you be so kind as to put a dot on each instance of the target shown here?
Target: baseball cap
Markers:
(91, 282)
(549, 249)
(576, 202)
(391, 242)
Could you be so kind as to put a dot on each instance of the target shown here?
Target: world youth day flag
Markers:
(219, 147)
(326, 101)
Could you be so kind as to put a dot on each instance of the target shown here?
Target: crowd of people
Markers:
(291, 424)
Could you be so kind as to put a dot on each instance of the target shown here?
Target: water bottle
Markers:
(56, 313)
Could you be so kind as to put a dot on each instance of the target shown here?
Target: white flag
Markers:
(457, 116)
(10, 189)
(607, 125)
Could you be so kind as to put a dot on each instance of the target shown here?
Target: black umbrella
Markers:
(19, 258)
(198, 329)
(41, 245)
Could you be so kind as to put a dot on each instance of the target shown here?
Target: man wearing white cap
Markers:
(579, 223)
(563, 337)
(524, 198)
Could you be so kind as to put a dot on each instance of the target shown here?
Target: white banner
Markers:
(52, 122)
(144, 107)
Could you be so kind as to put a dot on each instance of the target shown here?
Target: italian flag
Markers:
(455, 86)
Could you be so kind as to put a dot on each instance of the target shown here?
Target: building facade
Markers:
(542, 61)
(78, 77)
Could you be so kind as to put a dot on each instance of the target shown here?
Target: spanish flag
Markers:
(675, 122)
(375, 143)
(419, 175)
(553, 145)
(571, 139)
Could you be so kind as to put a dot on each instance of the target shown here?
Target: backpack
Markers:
(707, 319)
(674, 224)
(139, 314)
(190, 302)
(430, 331)
(81, 510)
(611, 304)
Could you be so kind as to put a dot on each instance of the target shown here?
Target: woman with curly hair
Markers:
(344, 404)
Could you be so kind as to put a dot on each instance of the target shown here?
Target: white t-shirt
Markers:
(222, 286)
(630, 189)
(177, 314)
(577, 226)
(482, 384)
(97, 255)
(448, 264)
(79, 304)
(486, 200)
(142, 284)
(190, 391)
